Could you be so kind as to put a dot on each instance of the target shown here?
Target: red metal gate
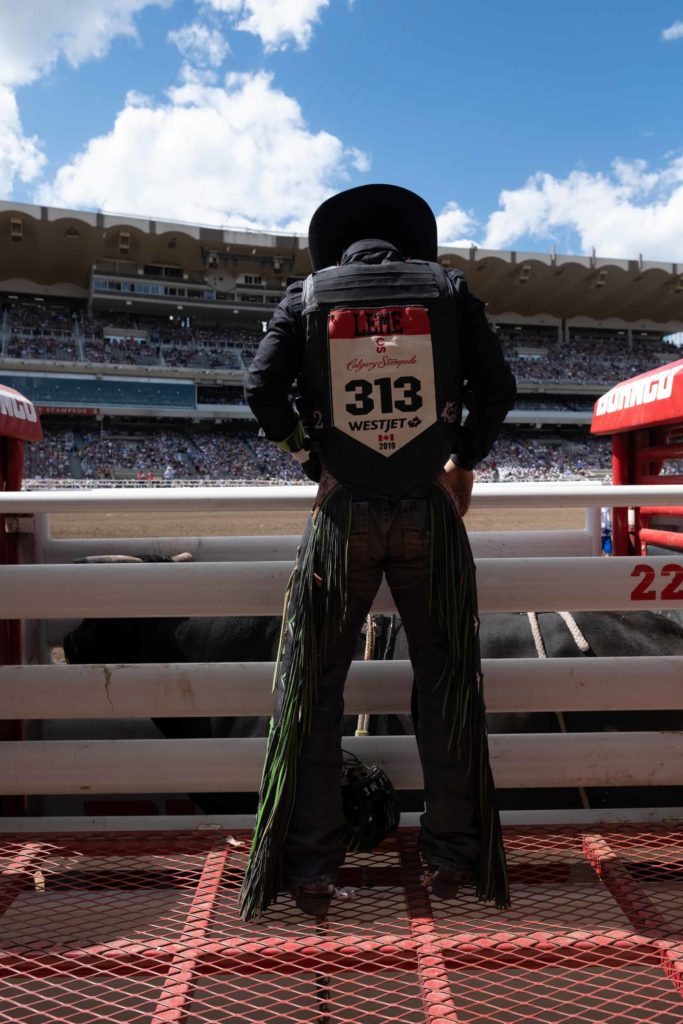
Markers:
(18, 423)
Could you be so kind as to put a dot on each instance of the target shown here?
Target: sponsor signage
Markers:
(651, 399)
(18, 416)
(67, 410)
(382, 373)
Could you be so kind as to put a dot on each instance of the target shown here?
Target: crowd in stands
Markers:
(219, 456)
(597, 357)
(159, 453)
(534, 337)
(44, 333)
(22, 346)
(171, 454)
(121, 351)
(166, 343)
(223, 455)
(41, 332)
(273, 463)
(42, 320)
(142, 352)
(525, 458)
(49, 459)
(588, 358)
(243, 455)
(243, 339)
(202, 357)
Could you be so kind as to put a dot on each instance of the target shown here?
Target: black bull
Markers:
(502, 635)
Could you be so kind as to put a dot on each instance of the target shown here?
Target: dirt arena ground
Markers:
(240, 524)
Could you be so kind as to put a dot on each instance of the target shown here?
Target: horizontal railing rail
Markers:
(234, 765)
(485, 544)
(248, 588)
(199, 689)
(294, 498)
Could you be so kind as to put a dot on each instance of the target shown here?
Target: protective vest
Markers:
(381, 378)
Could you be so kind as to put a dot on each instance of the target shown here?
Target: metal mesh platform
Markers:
(142, 927)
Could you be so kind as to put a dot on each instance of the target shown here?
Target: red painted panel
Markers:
(650, 399)
(390, 320)
(18, 416)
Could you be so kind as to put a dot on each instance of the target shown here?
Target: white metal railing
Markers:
(256, 588)
(373, 687)
(237, 576)
(234, 765)
(297, 498)
(485, 544)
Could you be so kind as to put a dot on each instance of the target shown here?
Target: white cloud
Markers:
(20, 156)
(200, 44)
(359, 160)
(34, 35)
(190, 74)
(278, 23)
(623, 213)
(137, 99)
(240, 155)
(674, 31)
(453, 223)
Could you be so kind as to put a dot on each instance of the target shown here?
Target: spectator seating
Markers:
(40, 332)
(224, 454)
(49, 459)
(599, 357)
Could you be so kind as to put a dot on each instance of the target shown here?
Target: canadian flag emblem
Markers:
(385, 437)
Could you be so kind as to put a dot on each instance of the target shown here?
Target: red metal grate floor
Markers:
(142, 927)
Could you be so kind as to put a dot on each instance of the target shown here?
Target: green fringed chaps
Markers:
(315, 607)
(453, 602)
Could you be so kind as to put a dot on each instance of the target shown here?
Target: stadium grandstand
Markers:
(132, 336)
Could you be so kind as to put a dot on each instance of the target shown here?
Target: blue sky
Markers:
(524, 126)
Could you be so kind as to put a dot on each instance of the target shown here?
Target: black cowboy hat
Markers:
(389, 212)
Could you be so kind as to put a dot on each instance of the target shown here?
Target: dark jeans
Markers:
(388, 537)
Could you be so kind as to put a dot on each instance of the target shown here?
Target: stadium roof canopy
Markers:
(58, 249)
(566, 286)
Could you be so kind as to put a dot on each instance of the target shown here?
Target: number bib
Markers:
(382, 375)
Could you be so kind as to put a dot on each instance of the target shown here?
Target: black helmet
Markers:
(389, 212)
(370, 804)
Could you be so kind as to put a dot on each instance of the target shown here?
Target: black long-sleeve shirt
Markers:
(488, 385)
